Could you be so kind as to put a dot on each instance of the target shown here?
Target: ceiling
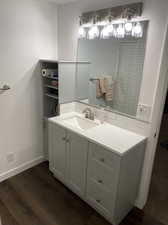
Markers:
(62, 1)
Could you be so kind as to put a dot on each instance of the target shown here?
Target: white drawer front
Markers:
(104, 176)
(104, 156)
(102, 199)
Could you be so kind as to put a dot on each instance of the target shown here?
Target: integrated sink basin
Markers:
(81, 123)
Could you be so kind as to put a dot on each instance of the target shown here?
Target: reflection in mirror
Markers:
(112, 73)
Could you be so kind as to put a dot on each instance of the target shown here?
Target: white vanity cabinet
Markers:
(108, 181)
(113, 180)
(67, 157)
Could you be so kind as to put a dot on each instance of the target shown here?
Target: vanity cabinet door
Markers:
(77, 163)
(57, 151)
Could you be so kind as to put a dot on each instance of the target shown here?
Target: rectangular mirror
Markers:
(111, 73)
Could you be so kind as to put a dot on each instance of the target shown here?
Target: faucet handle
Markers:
(89, 113)
(92, 115)
(86, 110)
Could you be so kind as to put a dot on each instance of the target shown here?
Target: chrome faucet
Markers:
(89, 113)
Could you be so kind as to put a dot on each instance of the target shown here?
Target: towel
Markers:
(100, 88)
(104, 88)
(108, 84)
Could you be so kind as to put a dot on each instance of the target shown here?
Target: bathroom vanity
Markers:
(99, 162)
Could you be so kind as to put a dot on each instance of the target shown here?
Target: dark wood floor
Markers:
(34, 197)
(157, 205)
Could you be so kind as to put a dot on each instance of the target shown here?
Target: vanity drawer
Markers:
(103, 156)
(100, 198)
(103, 175)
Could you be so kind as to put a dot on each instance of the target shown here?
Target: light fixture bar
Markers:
(118, 22)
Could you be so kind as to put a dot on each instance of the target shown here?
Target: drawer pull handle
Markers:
(98, 201)
(102, 160)
(100, 181)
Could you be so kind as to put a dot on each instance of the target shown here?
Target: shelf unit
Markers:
(51, 96)
(53, 78)
(58, 80)
(49, 73)
(51, 86)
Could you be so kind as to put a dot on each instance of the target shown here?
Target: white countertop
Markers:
(115, 139)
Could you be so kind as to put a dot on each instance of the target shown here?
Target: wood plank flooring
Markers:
(157, 205)
(35, 197)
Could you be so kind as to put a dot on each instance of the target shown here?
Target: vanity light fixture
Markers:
(128, 27)
(114, 29)
(115, 22)
(110, 29)
(94, 31)
(87, 25)
(137, 30)
(107, 30)
(81, 32)
(120, 31)
(102, 23)
(104, 33)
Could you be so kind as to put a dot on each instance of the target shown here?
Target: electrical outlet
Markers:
(10, 157)
(144, 112)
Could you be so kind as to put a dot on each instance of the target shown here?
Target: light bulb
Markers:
(128, 27)
(115, 31)
(104, 33)
(120, 32)
(93, 32)
(110, 29)
(137, 30)
(81, 32)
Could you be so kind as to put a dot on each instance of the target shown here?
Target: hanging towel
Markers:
(108, 84)
(102, 85)
(100, 88)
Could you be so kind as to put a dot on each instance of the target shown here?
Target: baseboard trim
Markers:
(21, 168)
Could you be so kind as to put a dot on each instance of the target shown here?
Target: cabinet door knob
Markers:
(64, 138)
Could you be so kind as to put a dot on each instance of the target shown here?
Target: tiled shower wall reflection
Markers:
(121, 59)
